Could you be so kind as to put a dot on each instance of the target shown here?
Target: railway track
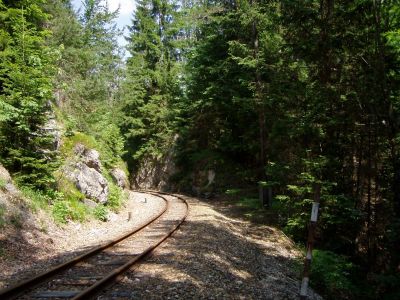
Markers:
(90, 273)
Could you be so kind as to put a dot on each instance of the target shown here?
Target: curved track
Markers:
(89, 273)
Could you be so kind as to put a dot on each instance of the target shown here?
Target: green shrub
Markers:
(64, 210)
(38, 199)
(115, 198)
(331, 275)
(100, 213)
(3, 183)
(249, 203)
(68, 188)
(61, 212)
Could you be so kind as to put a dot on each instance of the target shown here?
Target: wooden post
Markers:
(310, 242)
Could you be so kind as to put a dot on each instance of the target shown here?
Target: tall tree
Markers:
(26, 69)
(152, 78)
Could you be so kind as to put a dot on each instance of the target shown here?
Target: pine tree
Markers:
(152, 79)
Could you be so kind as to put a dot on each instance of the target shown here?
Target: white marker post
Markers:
(310, 242)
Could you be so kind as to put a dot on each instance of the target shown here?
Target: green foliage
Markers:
(331, 274)
(232, 191)
(2, 216)
(151, 87)
(116, 197)
(100, 213)
(250, 203)
(3, 183)
(26, 69)
(64, 210)
(68, 189)
(37, 199)
(77, 138)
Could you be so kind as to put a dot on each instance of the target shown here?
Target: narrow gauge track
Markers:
(88, 274)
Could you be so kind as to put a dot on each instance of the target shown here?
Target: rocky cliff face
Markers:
(156, 172)
(120, 178)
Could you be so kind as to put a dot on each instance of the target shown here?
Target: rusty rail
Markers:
(20, 288)
(112, 276)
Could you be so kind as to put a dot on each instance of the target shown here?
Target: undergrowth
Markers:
(38, 200)
(2, 215)
(72, 209)
(100, 212)
(3, 183)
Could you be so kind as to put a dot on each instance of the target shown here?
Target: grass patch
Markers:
(16, 220)
(100, 213)
(249, 203)
(68, 188)
(3, 184)
(76, 138)
(72, 209)
(37, 199)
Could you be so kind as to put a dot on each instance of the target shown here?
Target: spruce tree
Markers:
(26, 69)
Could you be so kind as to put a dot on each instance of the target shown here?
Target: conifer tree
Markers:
(26, 69)
(151, 83)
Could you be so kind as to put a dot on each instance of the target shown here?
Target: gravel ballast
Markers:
(212, 256)
(39, 243)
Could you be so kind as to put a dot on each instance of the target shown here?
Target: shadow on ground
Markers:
(211, 257)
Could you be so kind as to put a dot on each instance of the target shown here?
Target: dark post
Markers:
(265, 195)
(310, 242)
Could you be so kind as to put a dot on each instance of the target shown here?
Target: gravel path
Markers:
(31, 249)
(215, 257)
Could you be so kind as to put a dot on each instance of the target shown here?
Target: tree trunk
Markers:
(265, 193)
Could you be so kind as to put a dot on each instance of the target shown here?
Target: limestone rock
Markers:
(91, 183)
(79, 149)
(120, 178)
(90, 157)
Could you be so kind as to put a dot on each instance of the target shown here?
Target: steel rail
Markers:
(20, 288)
(112, 276)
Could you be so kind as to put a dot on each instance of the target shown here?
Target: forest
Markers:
(270, 97)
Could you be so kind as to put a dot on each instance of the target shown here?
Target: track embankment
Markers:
(211, 256)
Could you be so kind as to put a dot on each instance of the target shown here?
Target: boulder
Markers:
(91, 183)
(120, 178)
(90, 157)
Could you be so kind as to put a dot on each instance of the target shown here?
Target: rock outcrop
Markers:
(155, 172)
(86, 174)
(120, 178)
(91, 183)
